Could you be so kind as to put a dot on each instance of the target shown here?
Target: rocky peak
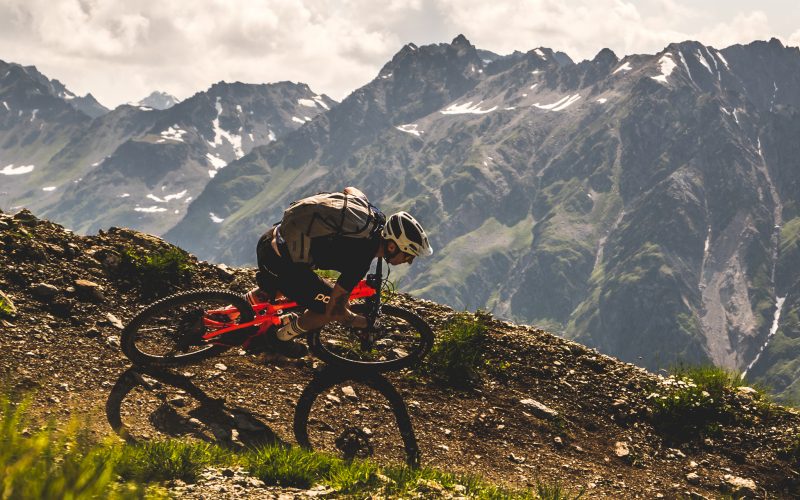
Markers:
(29, 87)
(463, 46)
(159, 100)
(606, 57)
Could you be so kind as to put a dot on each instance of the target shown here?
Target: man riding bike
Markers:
(286, 266)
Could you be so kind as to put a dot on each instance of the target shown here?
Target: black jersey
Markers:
(350, 256)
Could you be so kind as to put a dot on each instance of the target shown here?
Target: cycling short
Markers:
(297, 281)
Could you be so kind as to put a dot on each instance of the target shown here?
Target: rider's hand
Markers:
(355, 320)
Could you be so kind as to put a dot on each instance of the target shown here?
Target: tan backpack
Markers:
(327, 214)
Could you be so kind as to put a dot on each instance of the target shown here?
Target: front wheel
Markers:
(169, 332)
(400, 340)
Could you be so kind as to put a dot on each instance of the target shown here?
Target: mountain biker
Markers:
(401, 240)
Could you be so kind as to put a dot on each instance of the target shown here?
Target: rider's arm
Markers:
(355, 192)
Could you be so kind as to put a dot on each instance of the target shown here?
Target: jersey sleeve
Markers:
(360, 256)
(352, 275)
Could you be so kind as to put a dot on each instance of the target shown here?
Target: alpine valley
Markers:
(647, 206)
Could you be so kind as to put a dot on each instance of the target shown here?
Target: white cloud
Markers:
(794, 39)
(743, 27)
(581, 29)
(121, 51)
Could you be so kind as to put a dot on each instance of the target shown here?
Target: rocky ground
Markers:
(546, 409)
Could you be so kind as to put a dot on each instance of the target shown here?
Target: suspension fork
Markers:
(375, 281)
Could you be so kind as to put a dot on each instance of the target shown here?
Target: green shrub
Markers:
(7, 308)
(156, 272)
(792, 451)
(692, 400)
(328, 274)
(713, 379)
(458, 354)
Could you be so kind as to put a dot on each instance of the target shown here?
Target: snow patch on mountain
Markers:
(466, 108)
(176, 196)
(722, 58)
(685, 66)
(219, 133)
(667, 65)
(559, 105)
(776, 320)
(174, 133)
(702, 58)
(410, 128)
(150, 210)
(214, 218)
(12, 170)
(624, 67)
(216, 161)
(321, 102)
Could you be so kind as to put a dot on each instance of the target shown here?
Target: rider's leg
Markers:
(309, 320)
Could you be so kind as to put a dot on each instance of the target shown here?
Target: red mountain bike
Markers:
(190, 326)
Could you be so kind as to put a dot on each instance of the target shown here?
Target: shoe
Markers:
(270, 342)
(257, 296)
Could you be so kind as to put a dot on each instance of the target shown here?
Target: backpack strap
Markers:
(339, 232)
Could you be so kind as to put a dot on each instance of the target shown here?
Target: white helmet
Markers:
(408, 234)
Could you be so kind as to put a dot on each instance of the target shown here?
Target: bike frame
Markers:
(268, 313)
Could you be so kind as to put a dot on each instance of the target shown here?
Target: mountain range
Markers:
(646, 206)
(137, 165)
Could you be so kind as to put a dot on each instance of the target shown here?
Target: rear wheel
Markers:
(169, 332)
(400, 340)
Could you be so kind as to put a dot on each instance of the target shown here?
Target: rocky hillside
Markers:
(543, 408)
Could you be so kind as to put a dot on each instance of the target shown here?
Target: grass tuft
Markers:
(458, 354)
(165, 460)
(692, 401)
(7, 308)
(156, 272)
(53, 463)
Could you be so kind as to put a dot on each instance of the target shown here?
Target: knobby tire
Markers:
(157, 317)
(332, 354)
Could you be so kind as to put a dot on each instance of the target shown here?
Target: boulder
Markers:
(539, 409)
(44, 291)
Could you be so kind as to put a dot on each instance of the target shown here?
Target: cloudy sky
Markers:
(122, 50)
